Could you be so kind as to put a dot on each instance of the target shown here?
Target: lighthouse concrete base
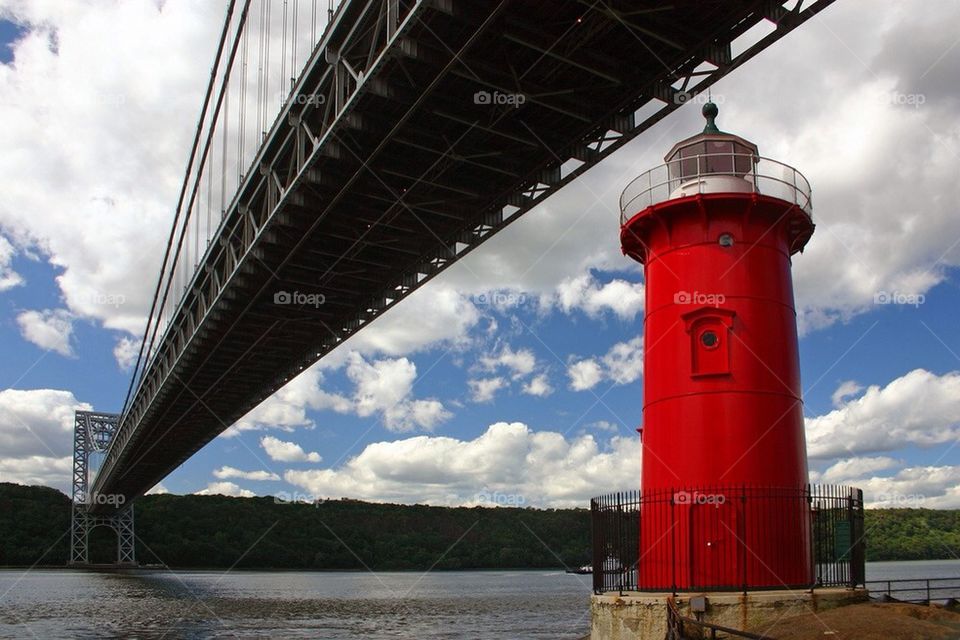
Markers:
(643, 616)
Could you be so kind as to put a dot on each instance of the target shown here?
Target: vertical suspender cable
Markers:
(204, 154)
(283, 48)
(176, 218)
(293, 51)
(243, 107)
(260, 56)
(223, 157)
(266, 75)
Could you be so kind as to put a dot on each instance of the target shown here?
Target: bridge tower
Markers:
(724, 464)
(92, 433)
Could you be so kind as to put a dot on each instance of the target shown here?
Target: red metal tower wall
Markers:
(724, 454)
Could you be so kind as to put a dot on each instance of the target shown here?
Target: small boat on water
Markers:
(581, 570)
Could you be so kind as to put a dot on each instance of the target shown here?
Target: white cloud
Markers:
(287, 408)
(436, 315)
(49, 329)
(381, 387)
(125, 352)
(381, 384)
(933, 487)
(623, 298)
(622, 364)
(847, 469)
(282, 451)
(225, 489)
(38, 470)
(385, 386)
(225, 473)
(584, 374)
(37, 422)
(844, 391)
(484, 389)
(36, 436)
(603, 425)
(73, 183)
(539, 468)
(517, 366)
(538, 386)
(519, 363)
(8, 277)
(158, 490)
(919, 408)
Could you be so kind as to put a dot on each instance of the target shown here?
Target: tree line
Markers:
(218, 531)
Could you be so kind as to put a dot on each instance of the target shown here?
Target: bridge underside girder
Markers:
(402, 168)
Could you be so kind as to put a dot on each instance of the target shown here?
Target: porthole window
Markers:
(726, 240)
(709, 339)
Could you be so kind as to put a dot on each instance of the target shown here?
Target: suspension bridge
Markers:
(346, 155)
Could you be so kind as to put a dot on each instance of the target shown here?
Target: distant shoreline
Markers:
(218, 532)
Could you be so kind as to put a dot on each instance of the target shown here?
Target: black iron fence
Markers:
(728, 538)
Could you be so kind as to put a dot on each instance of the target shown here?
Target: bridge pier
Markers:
(92, 433)
(83, 522)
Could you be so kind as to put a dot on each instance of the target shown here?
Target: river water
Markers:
(323, 605)
(46, 603)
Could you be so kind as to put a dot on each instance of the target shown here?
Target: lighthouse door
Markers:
(714, 542)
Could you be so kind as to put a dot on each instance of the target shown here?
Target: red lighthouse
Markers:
(724, 455)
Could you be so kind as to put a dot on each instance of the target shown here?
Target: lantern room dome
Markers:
(711, 140)
(714, 161)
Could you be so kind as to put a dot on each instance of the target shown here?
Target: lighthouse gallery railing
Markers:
(834, 513)
(759, 175)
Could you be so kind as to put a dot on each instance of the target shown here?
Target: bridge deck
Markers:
(400, 170)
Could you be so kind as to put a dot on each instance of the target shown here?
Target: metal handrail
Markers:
(659, 183)
(922, 585)
(676, 623)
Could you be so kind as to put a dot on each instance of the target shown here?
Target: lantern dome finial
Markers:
(710, 112)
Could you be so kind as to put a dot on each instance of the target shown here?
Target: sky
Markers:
(515, 377)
